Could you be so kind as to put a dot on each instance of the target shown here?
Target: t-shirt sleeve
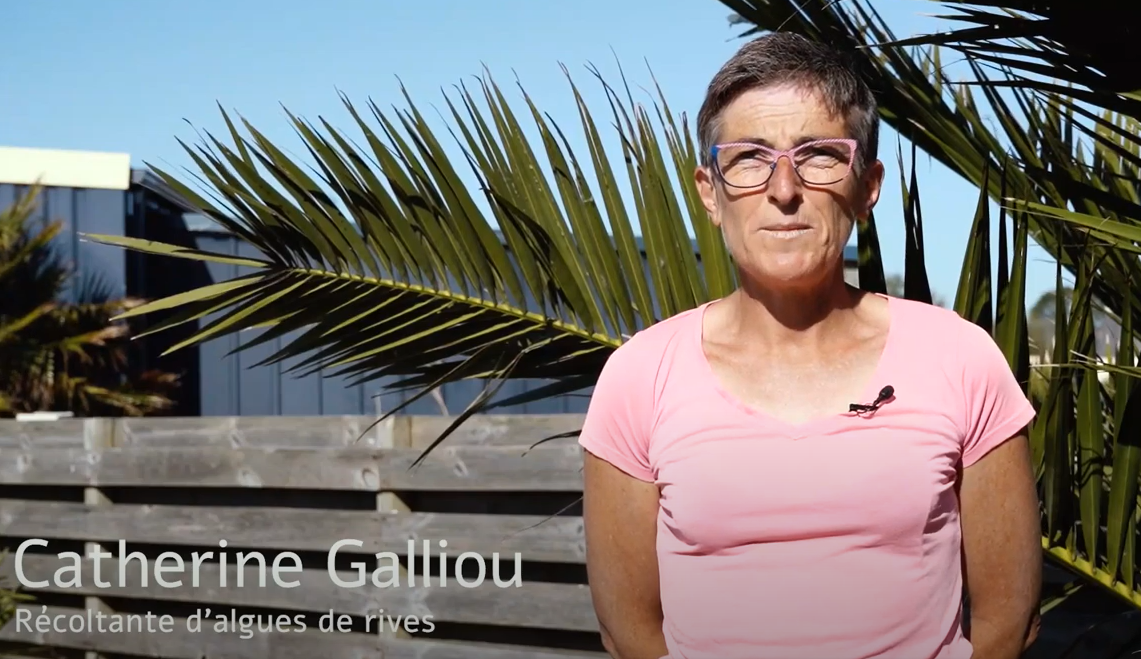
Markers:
(619, 413)
(996, 407)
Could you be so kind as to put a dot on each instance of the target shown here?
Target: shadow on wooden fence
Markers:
(277, 493)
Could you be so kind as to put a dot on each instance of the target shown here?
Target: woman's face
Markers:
(787, 233)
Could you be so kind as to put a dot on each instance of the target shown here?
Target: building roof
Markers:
(145, 178)
(93, 170)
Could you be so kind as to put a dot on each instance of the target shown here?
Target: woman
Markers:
(802, 469)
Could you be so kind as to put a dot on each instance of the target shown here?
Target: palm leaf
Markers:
(390, 268)
(1057, 39)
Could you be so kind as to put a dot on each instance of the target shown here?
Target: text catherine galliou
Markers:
(169, 568)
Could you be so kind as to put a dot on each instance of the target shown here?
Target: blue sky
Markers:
(127, 76)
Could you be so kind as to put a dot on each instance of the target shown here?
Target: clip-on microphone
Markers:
(884, 394)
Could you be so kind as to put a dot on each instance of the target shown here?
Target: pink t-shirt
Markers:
(838, 538)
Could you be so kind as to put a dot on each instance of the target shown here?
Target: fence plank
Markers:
(61, 433)
(494, 429)
(458, 650)
(530, 604)
(251, 431)
(487, 469)
(295, 431)
(207, 644)
(483, 468)
(537, 538)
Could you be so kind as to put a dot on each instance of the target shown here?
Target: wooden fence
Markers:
(288, 489)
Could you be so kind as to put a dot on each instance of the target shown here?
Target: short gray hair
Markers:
(789, 58)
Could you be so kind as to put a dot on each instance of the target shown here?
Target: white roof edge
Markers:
(65, 168)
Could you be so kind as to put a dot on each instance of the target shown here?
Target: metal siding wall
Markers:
(259, 386)
(220, 391)
(86, 211)
(104, 212)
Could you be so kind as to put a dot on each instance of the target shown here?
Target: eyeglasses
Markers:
(748, 165)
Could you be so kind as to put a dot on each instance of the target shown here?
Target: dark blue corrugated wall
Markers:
(82, 210)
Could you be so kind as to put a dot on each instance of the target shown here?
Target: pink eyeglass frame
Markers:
(852, 144)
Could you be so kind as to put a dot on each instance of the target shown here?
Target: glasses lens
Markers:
(821, 163)
(818, 163)
(744, 165)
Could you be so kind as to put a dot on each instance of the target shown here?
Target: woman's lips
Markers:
(790, 230)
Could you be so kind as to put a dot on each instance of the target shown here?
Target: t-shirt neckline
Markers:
(871, 388)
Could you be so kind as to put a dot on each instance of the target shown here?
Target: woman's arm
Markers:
(998, 501)
(1002, 550)
(620, 518)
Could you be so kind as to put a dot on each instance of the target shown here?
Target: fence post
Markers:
(387, 502)
(98, 435)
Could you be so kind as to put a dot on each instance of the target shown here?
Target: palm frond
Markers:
(390, 267)
(1057, 40)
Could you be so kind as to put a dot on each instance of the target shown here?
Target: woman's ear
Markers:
(703, 178)
(872, 182)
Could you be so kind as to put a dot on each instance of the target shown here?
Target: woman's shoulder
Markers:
(935, 323)
(657, 338)
(653, 354)
(938, 334)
